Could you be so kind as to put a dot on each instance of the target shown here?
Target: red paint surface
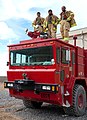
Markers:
(49, 74)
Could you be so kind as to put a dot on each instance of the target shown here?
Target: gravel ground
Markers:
(13, 109)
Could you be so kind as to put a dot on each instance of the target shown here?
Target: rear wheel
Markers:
(32, 104)
(79, 102)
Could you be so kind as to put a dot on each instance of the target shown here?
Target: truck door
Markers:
(65, 63)
(73, 62)
(65, 58)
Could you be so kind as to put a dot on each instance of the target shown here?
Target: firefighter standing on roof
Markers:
(66, 21)
(50, 24)
(38, 23)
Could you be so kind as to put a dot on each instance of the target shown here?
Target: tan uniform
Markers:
(38, 24)
(50, 25)
(66, 21)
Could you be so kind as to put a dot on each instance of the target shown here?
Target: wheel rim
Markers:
(80, 101)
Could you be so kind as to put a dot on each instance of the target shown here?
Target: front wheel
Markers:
(79, 101)
(32, 104)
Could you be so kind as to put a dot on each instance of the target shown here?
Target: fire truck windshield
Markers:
(32, 56)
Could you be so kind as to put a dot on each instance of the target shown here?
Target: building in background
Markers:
(81, 37)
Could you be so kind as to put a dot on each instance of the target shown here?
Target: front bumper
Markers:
(21, 85)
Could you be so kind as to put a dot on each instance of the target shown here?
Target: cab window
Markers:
(65, 56)
(58, 55)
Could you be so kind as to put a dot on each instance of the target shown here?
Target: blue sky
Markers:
(16, 15)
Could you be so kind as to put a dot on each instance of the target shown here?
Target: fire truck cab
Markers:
(48, 70)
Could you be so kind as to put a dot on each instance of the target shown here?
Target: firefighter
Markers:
(38, 23)
(50, 24)
(66, 22)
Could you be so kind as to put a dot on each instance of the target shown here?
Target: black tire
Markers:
(36, 105)
(32, 104)
(79, 102)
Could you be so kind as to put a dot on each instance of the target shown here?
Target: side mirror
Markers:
(7, 63)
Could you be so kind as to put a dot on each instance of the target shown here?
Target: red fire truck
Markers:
(48, 70)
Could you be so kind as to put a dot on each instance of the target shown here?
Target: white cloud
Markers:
(7, 9)
(3, 62)
(6, 32)
(20, 9)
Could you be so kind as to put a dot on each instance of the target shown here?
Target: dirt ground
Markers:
(5, 115)
(14, 109)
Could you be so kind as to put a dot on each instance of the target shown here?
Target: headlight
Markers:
(52, 88)
(10, 85)
(46, 87)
